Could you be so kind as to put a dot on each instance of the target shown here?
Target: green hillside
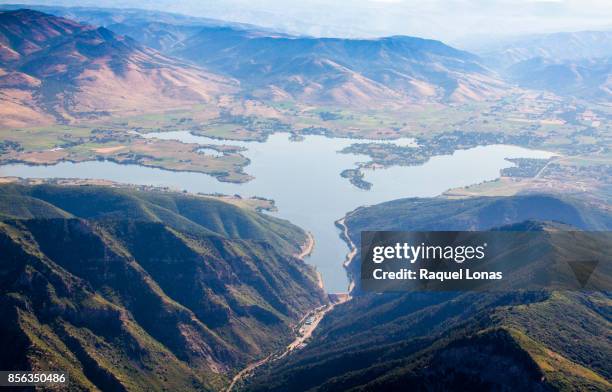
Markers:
(188, 213)
(131, 290)
(477, 213)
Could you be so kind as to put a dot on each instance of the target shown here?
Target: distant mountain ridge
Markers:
(271, 65)
(56, 70)
(327, 70)
(555, 46)
(131, 75)
(155, 29)
(344, 71)
(587, 78)
(569, 64)
(105, 17)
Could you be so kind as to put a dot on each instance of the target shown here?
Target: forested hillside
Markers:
(131, 290)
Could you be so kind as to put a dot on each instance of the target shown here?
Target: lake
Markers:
(303, 178)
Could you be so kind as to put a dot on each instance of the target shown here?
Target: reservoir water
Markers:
(303, 178)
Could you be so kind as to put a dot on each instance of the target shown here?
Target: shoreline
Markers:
(303, 330)
(220, 176)
(306, 249)
(341, 224)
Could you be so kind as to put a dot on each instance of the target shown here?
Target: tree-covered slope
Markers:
(131, 290)
(451, 341)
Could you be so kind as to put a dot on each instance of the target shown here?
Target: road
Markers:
(304, 332)
(542, 169)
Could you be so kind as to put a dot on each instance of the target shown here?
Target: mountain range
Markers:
(84, 290)
(57, 70)
(338, 71)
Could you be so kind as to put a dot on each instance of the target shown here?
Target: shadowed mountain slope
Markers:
(451, 341)
(152, 290)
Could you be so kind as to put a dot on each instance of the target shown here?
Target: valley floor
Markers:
(305, 328)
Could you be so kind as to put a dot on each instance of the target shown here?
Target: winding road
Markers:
(305, 331)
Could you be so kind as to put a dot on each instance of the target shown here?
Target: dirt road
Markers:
(309, 322)
(305, 330)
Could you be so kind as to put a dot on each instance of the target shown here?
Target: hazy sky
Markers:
(449, 20)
